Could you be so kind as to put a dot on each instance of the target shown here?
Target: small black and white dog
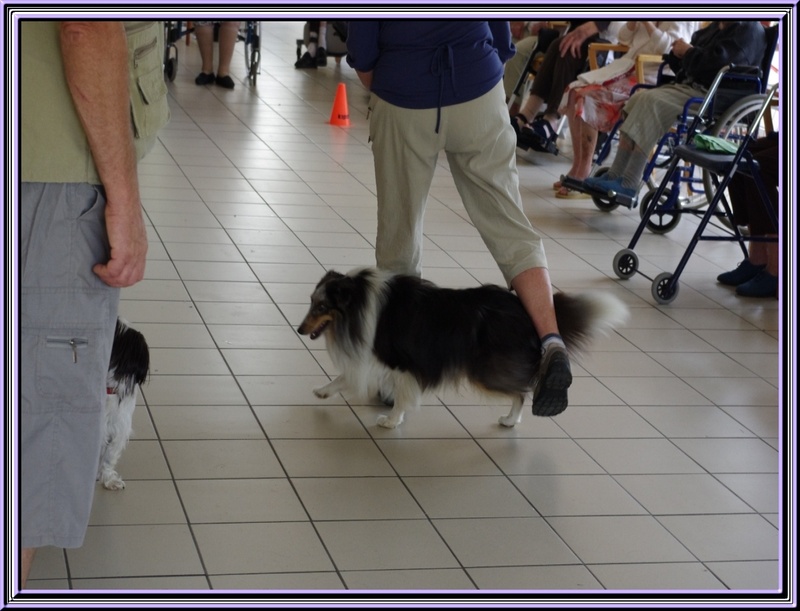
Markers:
(397, 336)
(129, 367)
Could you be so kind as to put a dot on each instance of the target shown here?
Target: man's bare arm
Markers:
(95, 55)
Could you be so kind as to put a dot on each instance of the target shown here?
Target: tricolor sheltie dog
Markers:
(129, 367)
(397, 336)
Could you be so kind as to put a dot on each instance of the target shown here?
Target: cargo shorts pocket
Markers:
(66, 336)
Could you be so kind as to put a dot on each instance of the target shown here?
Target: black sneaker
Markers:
(306, 61)
(204, 79)
(555, 377)
(322, 57)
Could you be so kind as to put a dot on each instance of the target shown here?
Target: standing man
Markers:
(93, 99)
(437, 86)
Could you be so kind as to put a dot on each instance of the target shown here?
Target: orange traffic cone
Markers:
(340, 115)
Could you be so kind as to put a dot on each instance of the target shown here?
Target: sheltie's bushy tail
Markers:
(583, 316)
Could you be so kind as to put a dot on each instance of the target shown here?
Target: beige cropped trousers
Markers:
(480, 146)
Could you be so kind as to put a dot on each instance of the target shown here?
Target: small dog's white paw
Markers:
(322, 392)
(112, 481)
(388, 422)
(509, 421)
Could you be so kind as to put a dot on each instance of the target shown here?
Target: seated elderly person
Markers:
(593, 103)
(757, 275)
(649, 113)
(564, 60)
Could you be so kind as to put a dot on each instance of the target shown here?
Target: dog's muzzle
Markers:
(319, 330)
(315, 332)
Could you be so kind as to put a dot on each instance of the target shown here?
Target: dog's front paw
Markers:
(388, 422)
(112, 481)
(509, 421)
(322, 392)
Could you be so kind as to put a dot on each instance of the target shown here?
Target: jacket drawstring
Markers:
(441, 63)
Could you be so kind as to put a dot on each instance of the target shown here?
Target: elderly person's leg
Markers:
(757, 275)
(228, 35)
(204, 31)
(584, 141)
(648, 115)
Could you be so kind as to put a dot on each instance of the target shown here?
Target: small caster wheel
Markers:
(661, 290)
(626, 264)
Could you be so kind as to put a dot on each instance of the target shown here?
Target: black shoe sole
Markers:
(550, 398)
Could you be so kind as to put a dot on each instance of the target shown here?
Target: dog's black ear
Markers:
(340, 291)
(330, 275)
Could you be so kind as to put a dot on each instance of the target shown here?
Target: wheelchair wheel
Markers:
(626, 264)
(661, 291)
(171, 34)
(665, 217)
(170, 68)
(603, 204)
(252, 51)
(732, 126)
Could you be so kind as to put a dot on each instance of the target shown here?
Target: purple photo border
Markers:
(350, 599)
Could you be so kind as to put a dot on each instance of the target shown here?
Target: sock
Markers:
(620, 163)
(323, 31)
(632, 176)
(312, 44)
(554, 339)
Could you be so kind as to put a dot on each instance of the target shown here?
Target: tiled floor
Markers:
(662, 475)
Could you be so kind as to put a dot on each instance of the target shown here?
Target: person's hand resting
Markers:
(680, 47)
(573, 40)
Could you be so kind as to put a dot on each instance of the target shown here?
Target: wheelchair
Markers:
(335, 40)
(720, 119)
(173, 32)
(719, 169)
(250, 34)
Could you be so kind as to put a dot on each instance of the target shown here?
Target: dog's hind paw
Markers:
(509, 421)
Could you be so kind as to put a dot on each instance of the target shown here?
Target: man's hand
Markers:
(127, 236)
(571, 43)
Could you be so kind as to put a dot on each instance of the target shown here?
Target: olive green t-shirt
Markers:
(54, 146)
